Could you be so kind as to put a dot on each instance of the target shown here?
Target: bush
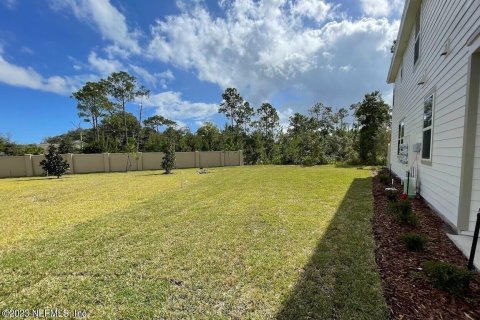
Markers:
(168, 161)
(448, 277)
(384, 179)
(53, 164)
(308, 161)
(413, 241)
(93, 147)
(392, 194)
(405, 213)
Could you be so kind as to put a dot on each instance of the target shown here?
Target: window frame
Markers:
(401, 134)
(431, 96)
(417, 42)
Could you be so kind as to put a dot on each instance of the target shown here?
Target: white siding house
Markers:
(435, 70)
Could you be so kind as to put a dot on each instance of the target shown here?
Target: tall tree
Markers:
(157, 121)
(244, 114)
(342, 113)
(92, 102)
(268, 120)
(232, 102)
(123, 88)
(143, 94)
(373, 116)
(208, 136)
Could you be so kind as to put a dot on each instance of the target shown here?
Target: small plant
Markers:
(448, 277)
(383, 179)
(168, 161)
(53, 164)
(392, 194)
(383, 170)
(405, 213)
(413, 241)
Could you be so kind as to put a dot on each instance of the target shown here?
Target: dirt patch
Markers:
(408, 292)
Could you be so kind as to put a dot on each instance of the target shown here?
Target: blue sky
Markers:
(291, 53)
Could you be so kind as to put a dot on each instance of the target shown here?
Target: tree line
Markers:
(320, 136)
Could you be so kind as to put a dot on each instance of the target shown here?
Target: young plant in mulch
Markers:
(383, 177)
(392, 194)
(448, 277)
(414, 241)
(53, 164)
(405, 212)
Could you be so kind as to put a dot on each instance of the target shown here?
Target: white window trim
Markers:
(417, 37)
(428, 160)
(400, 139)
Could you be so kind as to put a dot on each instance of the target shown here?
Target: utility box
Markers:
(411, 185)
(417, 147)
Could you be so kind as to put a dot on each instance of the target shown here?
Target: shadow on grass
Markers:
(341, 280)
(20, 179)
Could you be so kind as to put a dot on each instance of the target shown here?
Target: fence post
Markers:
(106, 162)
(28, 165)
(222, 158)
(197, 159)
(240, 158)
(474, 242)
(140, 161)
(69, 159)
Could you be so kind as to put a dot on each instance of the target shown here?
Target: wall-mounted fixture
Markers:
(422, 80)
(446, 48)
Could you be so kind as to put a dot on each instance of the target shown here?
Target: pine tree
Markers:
(168, 161)
(53, 164)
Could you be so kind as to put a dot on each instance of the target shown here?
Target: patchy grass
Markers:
(247, 242)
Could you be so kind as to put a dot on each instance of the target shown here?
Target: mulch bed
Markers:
(407, 290)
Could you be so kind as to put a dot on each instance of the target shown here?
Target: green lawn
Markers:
(264, 242)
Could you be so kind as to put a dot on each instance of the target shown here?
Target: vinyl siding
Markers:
(475, 200)
(439, 181)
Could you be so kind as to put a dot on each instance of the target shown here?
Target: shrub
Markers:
(66, 146)
(448, 277)
(308, 161)
(405, 213)
(383, 179)
(168, 161)
(93, 147)
(384, 171)
(413, 241)
(392, 194)
(53, 164)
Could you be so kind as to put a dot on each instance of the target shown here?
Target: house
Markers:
(435, 70)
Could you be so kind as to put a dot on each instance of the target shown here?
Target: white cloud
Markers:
(381, 8)
(104, 66)
(27, 77)
(27, 50)
(9, 4)
(152, 79)
(149, 78)
(266, 49)
(110, 22)
(284, 118)
(171, 105)
(314, 9)
(167, 74)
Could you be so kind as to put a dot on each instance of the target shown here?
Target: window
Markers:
(416, 53)
(401, 135)
(427, 128)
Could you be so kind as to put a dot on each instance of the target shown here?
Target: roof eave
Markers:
(408, 20)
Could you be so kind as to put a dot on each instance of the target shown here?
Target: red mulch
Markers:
(408, 292)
